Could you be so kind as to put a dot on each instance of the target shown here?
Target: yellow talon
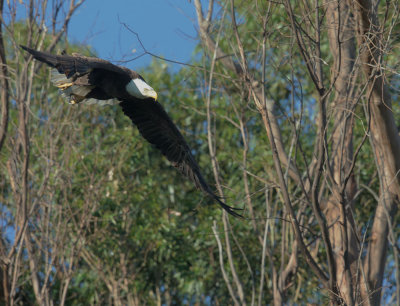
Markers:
(65, 85)
(75, 99)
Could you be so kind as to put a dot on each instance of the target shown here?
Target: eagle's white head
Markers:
(140, 89)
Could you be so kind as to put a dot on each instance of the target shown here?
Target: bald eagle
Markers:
(92, 80)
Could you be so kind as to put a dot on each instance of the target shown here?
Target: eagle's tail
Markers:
(45, 57)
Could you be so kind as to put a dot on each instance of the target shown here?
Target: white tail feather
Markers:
(92, 101)
(58, 78)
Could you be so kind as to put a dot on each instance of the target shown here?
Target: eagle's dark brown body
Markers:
(92, 80)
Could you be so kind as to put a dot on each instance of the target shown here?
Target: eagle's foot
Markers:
(64, 86)
(75, 99)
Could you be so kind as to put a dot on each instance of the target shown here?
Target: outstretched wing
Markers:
(157, 128)
(74, 66)
(85, 79)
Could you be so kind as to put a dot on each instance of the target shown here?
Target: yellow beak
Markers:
(153, 95)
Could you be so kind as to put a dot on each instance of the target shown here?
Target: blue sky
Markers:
(166, 28)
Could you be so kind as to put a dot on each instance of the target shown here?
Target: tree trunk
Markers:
(339, 208)
(386, 145)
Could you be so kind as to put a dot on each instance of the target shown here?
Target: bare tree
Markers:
(350, 79)
(29, 235)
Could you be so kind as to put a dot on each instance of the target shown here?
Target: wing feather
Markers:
(84, 79)
(157, 128)
(74, 66)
